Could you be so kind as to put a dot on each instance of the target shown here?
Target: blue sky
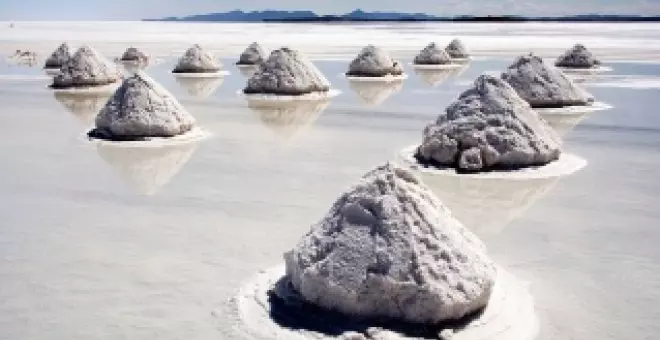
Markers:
(137, 9)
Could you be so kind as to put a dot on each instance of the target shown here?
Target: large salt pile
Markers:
(374, 62)
(253, 55)
(457, 50)
(389, 250)
(197, 60)
(577, 57)
(85, 69)
(488, 127)
(543, 85)
(287, 72)
(432, 55)
(141, 109)
(58, 57)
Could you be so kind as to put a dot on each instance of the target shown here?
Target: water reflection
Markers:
(85, 106)
(374, 93)
(434, 77)
(563, 124)
(487, 206)
(288, 119)
(146, 169)
(200, 87)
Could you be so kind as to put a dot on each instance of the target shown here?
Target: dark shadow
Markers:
(289, 310)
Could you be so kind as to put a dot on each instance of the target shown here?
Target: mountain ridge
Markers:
(359, 15)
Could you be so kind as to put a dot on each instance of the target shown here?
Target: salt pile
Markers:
(544, 86)
(432, 55)
(141, 109)
(457, 50)
(287, 72)
(489, 127)
(387, 262)
(374, 62)
(253, 55)
(389, 250)
(134, 55)
(577, 57)
(58, 57)
(197, 60)
(85, 69)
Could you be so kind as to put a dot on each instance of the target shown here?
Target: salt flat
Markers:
(87, 253)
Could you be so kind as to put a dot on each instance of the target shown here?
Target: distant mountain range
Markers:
(359, 15)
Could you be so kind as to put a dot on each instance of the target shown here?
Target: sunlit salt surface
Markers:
(84, 254)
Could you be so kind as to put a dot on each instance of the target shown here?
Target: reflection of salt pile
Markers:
(85, 106)
(544, 86)
(457, 50)
(141, 109)
(488, 127)
(146, 169)
(200, 87)
(197, 60)
(388, 261)
(288, 119)
(563, 123)
(86, 69)
(287, 73)
(253, 55)
(577, 57)
(487, 205)
(58, 57)
(374, 62)
(375, 93)
(435, 77)
(432, 55)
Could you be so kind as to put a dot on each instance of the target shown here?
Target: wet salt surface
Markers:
(86, 253)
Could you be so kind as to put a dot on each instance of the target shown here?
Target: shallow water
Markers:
(96, 245)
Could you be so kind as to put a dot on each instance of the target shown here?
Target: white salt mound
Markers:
(141, 109)
(86, 68)
(374, 62)
(197, 60)
(287, 72)
(543, 85)
(432, 55)
(58, 57)
(389, 250)
(488, 127)
(133, 54)
(253, 55)
(577, 57)
(457, 50)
